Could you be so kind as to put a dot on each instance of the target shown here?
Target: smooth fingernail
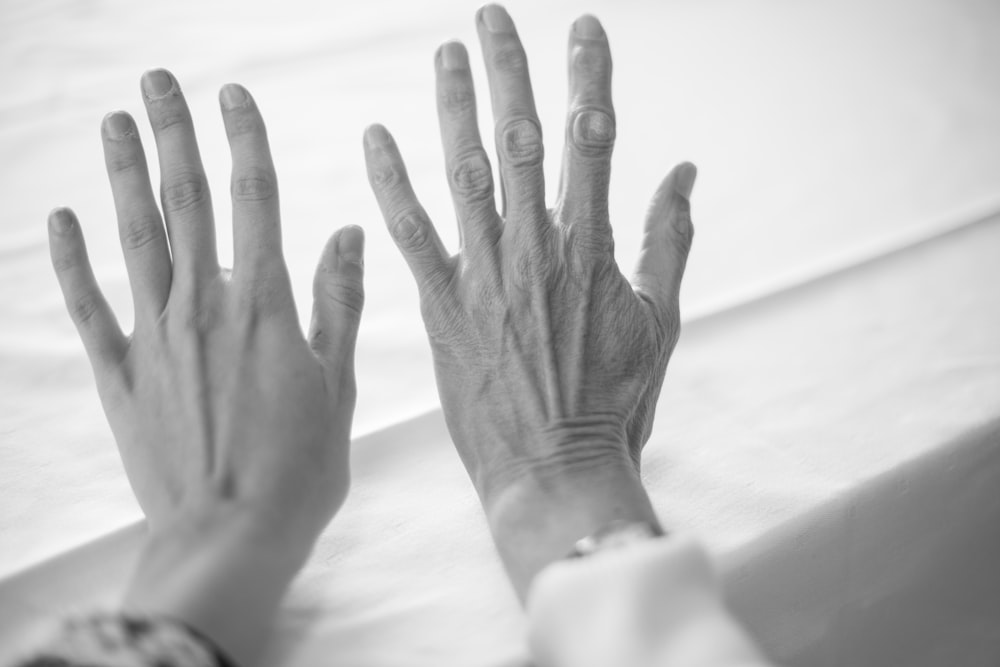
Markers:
(157, 83)
(118, 125)
(61, 220)
(454, 56)
(233, 96)
(351, 244)
(496, 19)
(684, 181)
(588, 27)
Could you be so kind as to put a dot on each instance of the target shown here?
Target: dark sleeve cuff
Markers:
(136, 641)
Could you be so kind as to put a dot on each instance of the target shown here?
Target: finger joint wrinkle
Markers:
(184, 192)
(472, 177)
(522, 143)
(593, 132)
(255, 186)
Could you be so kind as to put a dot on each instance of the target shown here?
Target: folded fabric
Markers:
(657, 603)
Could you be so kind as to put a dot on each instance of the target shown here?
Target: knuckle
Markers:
(472, 177)
(522, 143)
(410, 231)
(184, 192)
(347, 293)
(255, 184)
(436, 282)
(168, 114)
(510, 59)
(84, 308)
(203, 313)
(258, 298)
(532, 267)
(592, 240)
(240, 122)
(457, 99)
(387, 176)
(64, 262)
(122, 161)
(140, 232)
(593, 132)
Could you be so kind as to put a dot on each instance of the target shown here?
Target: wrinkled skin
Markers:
(548, 360)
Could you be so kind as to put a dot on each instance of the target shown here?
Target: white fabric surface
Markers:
(652, 604)
(797, 434)
(851, 499)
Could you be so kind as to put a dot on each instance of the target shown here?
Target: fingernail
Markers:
(118, 125)
(454, 56)
(351, 244)
(588, 27)
(157, 83)
(684, 180)
(496, 19)
(61, 220)
(233, 96)
(377, 135)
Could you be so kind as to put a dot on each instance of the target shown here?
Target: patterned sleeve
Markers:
(116, 640)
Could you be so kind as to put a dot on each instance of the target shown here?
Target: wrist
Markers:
(537, 517)
(221, 570)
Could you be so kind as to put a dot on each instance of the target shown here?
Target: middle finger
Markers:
(258, 260)
(187, 205)
(590, 128)
(518, 132)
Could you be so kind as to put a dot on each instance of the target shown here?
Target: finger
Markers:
(590, 128)
(140, 227)
(254, 188)
(187, 205)
(667, 239)
(470, 175)
(407, 221)
(338, 298)
(102, 338)
(518, 131)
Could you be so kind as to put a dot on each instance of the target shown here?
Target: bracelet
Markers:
(615, 535)
(117, 638)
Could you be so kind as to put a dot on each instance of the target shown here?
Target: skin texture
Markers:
(232, 425)
(548, 360)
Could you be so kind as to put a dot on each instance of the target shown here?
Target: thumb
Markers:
(338, 297)
(666, 240)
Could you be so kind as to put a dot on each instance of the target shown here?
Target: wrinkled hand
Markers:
(232, 427)
(548, 360)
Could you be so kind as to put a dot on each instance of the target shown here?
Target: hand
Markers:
(234, 430)
(548, 361)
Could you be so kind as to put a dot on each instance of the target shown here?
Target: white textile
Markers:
(835, 445)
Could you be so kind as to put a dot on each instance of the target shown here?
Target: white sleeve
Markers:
(654, 603)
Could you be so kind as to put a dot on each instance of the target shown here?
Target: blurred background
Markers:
(824, 132)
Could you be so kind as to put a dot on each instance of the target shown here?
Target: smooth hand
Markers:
(549, 361)
(233, 427)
